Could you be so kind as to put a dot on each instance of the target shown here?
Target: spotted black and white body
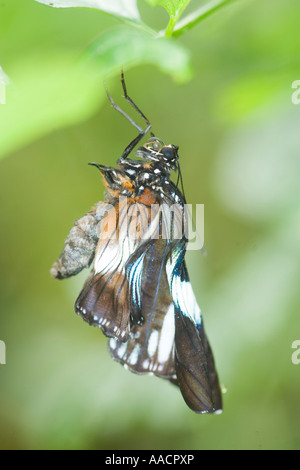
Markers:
(139, 291)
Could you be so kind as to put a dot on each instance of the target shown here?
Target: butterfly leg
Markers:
(127, 98)
(142, 132)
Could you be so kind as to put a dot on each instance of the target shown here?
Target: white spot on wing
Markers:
(152, 343)
(133, 358)
(122, 350)
(183, 295)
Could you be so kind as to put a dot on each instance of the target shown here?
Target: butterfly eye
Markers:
(169, 153)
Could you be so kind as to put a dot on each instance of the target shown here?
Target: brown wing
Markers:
(195, 369)
(104, 300)
(194, 363)
(150, 346)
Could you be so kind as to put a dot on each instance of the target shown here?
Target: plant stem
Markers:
(170, 28)
(174, 18)
(199, 15)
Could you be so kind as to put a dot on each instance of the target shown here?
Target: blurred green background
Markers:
(238, 133)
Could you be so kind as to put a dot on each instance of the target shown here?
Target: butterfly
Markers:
(139, 292)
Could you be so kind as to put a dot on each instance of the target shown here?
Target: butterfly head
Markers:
(156, 151)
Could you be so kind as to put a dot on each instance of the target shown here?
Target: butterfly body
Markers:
(139, 292)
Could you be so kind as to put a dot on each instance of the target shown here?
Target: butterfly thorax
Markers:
(147, 179)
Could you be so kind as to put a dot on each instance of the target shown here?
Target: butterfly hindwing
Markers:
(195, 368)
(194, 363)
(150, 347)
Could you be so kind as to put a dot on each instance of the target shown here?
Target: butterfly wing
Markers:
(104, 300)
(140, 295)
(194, 363)
(150, 347)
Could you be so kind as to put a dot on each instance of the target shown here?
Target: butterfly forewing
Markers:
(104, 300)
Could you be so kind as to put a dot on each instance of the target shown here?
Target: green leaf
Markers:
(125, 9)
(46, 93)
(124, 46)
(172, 6)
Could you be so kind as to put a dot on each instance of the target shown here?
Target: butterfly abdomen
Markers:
(80, 245)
